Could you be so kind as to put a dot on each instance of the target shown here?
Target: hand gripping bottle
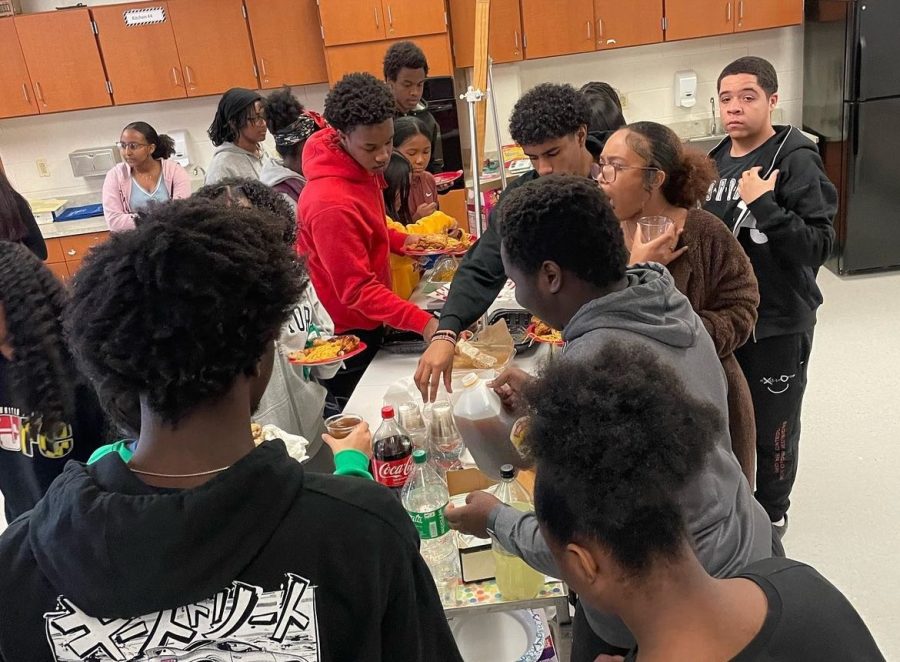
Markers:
(515, 578)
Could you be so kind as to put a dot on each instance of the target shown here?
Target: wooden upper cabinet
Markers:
(505, 42)
(141, 58)
(287, 40)
(686, 19)
(369, 57)
(557, 28)
(761, 14)
(351, 21)
(63, 60)
(16, 96)
(213, 41)
(410, 18)
(618, 24)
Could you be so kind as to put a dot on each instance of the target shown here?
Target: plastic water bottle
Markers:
(485, 427)
(515, 578)
(425, 497)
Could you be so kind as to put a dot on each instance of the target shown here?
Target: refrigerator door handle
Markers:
(854, 145)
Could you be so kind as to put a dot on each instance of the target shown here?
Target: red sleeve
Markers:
(342, 246)
(397, 240)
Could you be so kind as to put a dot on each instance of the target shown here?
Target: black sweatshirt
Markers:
(481, 275)
(264, 559)
(807, 619)
(33, 240)
(787, 234)
(30, 459)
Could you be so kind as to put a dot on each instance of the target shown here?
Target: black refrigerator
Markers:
(851, 101)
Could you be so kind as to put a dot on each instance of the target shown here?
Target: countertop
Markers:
(69, 228)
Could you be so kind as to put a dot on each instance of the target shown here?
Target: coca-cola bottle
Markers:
(391, 452)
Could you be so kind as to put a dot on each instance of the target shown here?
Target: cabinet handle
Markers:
(375, 11)
(589, 30)
(728, 11)
(599, 30)
(262, 67)
(25, 93)
(40, 93)
(188, 76)
(390, 17)
(741, 10)
(175, 77)
(516, 38)
(71, 252)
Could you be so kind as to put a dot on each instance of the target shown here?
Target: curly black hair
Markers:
(403, 54)
(282, 110)
(358, 100)
(547, 112)
(765, 73)
(253, 193)
(615, 439)
(41, 373)
(177, 309)
(565, 219)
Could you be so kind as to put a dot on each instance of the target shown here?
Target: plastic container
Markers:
(425, 497)
(485, 427)
(515, 578)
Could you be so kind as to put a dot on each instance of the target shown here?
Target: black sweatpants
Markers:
(776, 372)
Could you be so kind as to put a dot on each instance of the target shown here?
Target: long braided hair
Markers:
(42, 372)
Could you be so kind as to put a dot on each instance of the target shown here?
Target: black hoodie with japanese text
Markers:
(264, 561)
(787, 234)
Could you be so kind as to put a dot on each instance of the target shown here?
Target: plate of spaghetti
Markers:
(542, 332)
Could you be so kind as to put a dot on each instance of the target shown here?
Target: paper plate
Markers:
(502, 636)
(445, 178)
(337, 359)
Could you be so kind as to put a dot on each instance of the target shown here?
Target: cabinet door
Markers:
(63, 60)
(16, 97)
(505, 42)
(619, 24)
(59, 269)
(369, 57)
(686, 19)
(141, 58)
(557, 28)
(287, 40)
(214, 44)
(761, 14)
(351, 21)
(410, 18)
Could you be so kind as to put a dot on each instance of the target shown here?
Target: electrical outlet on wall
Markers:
(42, 168)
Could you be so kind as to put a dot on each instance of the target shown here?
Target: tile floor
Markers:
(845, 518)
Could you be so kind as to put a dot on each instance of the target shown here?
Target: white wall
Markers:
(643, 74)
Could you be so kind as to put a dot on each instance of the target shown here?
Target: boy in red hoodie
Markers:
(342, 231)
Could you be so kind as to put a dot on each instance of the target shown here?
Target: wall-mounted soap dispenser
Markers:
(686, 88)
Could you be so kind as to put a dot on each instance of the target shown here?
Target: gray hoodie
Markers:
(229, 160)
(728, 527)
(274, 173)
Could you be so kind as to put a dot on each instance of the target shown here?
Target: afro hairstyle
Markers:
(403, 54)
(177, 309)
(565, 219)
(615, 438)
(358, 100)
(547, 112)
(253, 193)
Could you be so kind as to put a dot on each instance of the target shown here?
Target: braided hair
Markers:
(41, 371)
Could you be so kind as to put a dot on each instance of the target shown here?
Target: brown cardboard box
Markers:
(10, 7)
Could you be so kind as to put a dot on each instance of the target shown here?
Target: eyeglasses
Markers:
(256, 119)
(608, 171)
(131, 146)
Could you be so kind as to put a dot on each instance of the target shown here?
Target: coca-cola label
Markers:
(432, 524)
(392, 473)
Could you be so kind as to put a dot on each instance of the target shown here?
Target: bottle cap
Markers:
(420, 456)
(387, 412)
(470, 380)
(507, 471)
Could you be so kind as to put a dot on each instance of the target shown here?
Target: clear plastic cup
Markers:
(653, 227)
(340, 426)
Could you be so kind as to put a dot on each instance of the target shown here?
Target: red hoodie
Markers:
(343, 234)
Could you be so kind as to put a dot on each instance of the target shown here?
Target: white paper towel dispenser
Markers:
(686, 88)
(94, 162)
